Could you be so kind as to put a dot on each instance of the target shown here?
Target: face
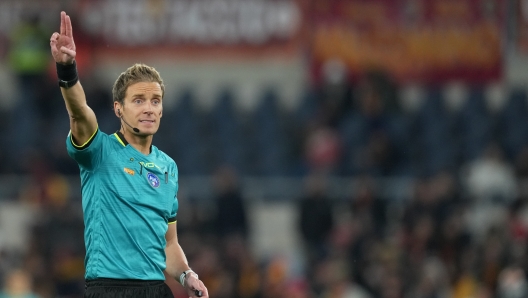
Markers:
(142, 107)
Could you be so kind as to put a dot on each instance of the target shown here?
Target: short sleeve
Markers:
(89, 154)
(174, 210)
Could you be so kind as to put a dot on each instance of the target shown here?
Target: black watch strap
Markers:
(68, 84)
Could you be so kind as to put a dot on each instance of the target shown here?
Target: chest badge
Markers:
(153, 180)
(129, 171)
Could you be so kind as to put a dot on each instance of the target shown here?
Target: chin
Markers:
(147, 132)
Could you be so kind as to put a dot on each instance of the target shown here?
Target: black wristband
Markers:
(67, 74)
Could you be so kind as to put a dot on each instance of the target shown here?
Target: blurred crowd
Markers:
(439, 242)
(462, 232)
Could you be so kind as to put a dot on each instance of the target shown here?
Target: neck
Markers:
(139, 142)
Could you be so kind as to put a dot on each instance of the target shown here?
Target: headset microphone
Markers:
(135, 129)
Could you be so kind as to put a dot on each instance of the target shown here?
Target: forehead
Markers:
(144, 88)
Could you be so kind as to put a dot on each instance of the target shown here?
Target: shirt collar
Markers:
(121, 138)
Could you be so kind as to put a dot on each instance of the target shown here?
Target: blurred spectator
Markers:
(512, 283)
(239, 260)
(454, 239)
(58, 236)
(434, 199)
(521, 163)
(369, 209)
(18, 284)
(56, 253)
(316, 218)
(374, 134)
(230, 206)
(323, 150)
(492, 186)
(45, 187)
(275, 283)
(298, 289)
(491, 178)
(29, 59)
(220, 282)
(334, 95)
(465, 286)
(336, 279)
(29, 50)
(432, 281)
(518, 234)
(492, 257)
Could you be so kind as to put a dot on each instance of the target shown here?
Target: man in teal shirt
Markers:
(128, 186)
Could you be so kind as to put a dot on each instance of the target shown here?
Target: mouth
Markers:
(146, 121)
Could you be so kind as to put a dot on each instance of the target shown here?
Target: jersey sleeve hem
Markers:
(172, 220)
(86, 144)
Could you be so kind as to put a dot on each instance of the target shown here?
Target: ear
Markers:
(117, 109)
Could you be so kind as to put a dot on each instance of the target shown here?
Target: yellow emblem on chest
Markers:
(129, 171)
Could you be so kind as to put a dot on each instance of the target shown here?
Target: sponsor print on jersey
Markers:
(153, 180)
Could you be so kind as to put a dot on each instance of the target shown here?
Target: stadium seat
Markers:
(513, 127)
(474, 126)
(269, 139)
(226, 134)
(435, 138)
(181, 136)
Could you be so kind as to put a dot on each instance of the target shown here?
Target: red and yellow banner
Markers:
(430, 41)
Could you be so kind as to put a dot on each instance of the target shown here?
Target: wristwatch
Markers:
(184, 275)
(68, 84)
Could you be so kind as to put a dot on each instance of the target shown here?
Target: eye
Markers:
(137, 101)
(156, 101)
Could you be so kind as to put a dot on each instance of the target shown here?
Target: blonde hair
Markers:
(136, 73)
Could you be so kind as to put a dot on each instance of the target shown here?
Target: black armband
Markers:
(67, 74)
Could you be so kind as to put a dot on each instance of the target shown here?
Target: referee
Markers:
(128, 186)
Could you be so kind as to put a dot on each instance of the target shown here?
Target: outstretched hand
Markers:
(62, 45)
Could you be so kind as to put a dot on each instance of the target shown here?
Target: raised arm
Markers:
(83, 122)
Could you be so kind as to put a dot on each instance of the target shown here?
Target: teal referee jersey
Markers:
(128, 201)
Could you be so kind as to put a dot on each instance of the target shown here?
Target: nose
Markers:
(148, 109)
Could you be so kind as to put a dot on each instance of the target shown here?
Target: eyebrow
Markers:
(142, 95)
